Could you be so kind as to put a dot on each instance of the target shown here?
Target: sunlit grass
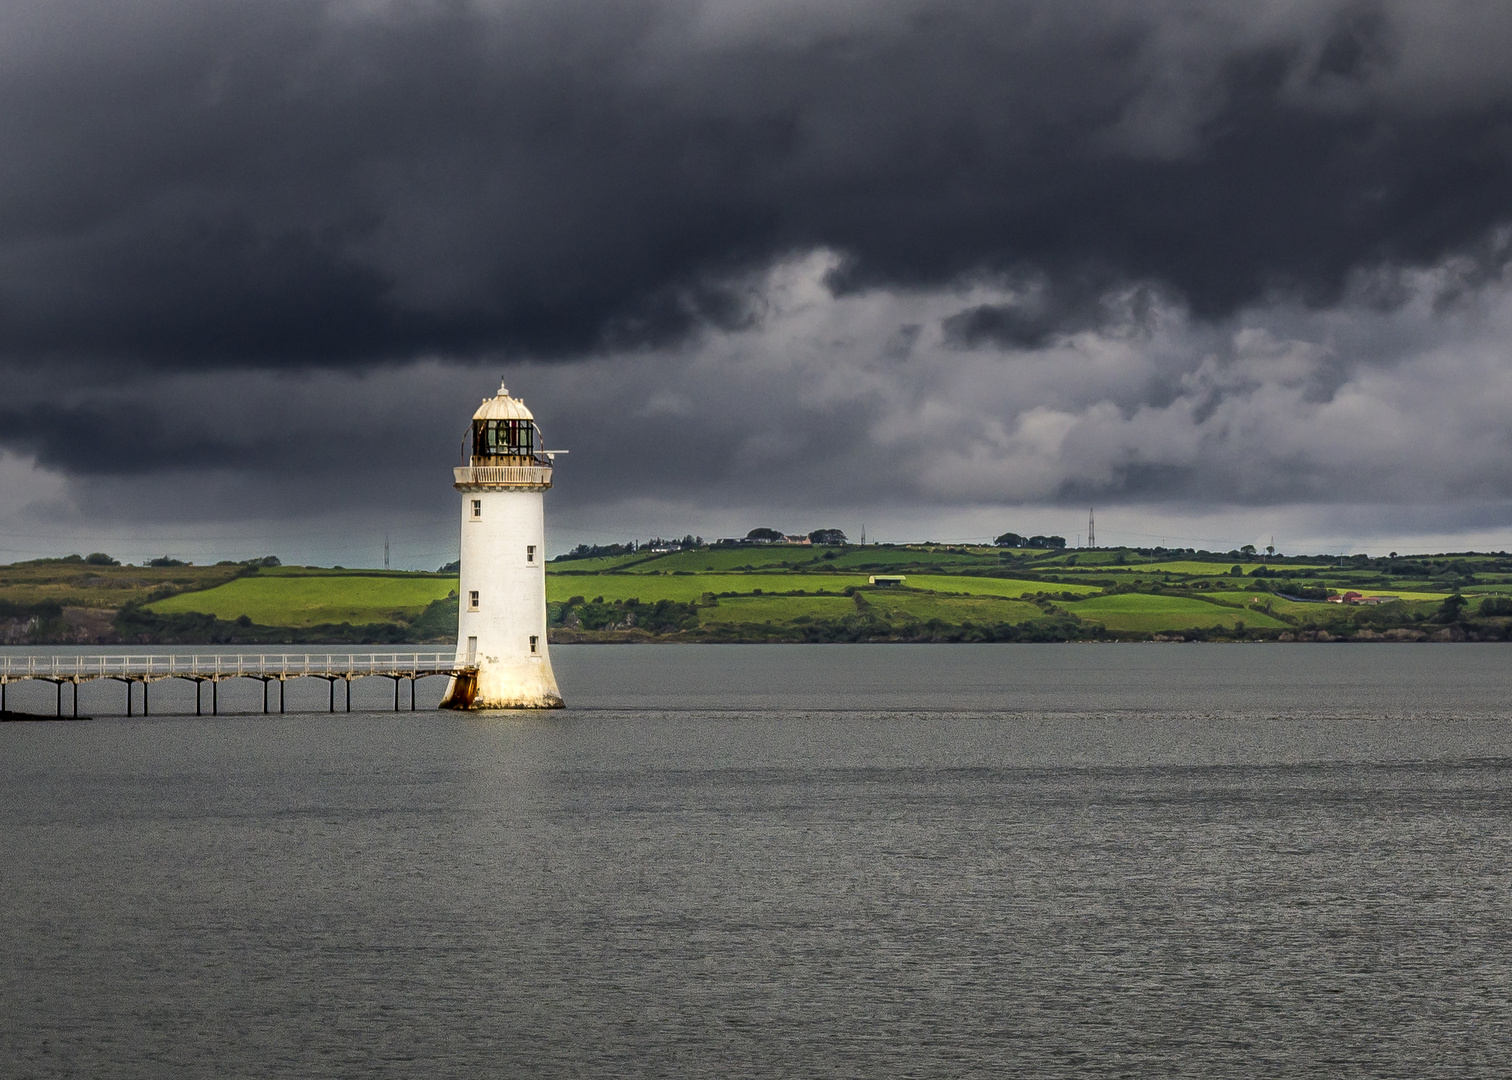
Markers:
(309, 600)
(1144, 613)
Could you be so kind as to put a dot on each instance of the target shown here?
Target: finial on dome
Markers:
(503, 390)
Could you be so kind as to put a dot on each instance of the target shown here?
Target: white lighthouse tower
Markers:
(501, 620)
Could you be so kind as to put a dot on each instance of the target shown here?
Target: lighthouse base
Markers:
(494, 689)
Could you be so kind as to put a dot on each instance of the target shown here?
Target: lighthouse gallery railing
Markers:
(503, 474)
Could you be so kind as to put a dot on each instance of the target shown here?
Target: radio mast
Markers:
(1091, 529)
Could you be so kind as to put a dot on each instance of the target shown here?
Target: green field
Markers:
(776, 609)
(1400, 594)
(981, 586)
(306, 599)
(723, 559)
(594, 565)
(885, 559)
(107, 587)
(955, 610)
(687, 588)
(786, 556)
(1142, 613)
(1198, 569)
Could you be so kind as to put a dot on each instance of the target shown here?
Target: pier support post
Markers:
(60, 699)
(333, 694)
(144, 697)
(348, 680)
(280, 693)
(396, 695)
(265, 695)
(128, 696)
(198, 686)
(214, 697)
(76, 697)
(412, 693)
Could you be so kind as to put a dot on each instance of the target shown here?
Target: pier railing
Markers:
(215, 668)
(229, 665)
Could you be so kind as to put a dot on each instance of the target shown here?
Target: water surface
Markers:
(772, 861)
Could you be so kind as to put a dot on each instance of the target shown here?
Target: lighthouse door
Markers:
(472, 650)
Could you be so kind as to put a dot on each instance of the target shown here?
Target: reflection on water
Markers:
(756, 861)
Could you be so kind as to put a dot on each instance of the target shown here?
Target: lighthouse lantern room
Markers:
(501, 618)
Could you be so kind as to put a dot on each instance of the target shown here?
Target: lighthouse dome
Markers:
(504, 433)
(502, 407)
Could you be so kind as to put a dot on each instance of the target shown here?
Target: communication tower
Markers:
(501, 597)
(1091, 529)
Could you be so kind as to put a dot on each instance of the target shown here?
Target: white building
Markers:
(501, 619)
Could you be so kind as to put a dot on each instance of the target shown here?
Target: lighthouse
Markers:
(501, 599)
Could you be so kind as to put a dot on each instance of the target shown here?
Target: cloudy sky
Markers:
(1225, 271)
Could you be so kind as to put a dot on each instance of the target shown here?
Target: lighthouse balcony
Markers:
(521, 476)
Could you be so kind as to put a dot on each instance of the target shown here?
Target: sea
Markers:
(779, 861)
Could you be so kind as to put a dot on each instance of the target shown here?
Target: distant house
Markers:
(886, 581)
(797, 540)
(1360, 598)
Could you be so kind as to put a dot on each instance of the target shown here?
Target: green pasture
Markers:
(1400, 594)
(955, 610)
(1199, 569)
(312, 599)
(596, 565)
(1012, 588)
(687, 588)
(724, 560)
(1143, 613)
(886, 560)
(107, 587)
(1100, 557)
(777, 609)
(1120, 574)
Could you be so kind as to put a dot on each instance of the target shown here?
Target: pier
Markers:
(215, 668)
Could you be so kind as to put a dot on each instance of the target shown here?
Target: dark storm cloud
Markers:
(763, 256)
(302, 183)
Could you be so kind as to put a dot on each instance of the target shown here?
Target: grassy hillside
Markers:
(686, 588)
(1140, 613)
(952, 610)
(780, 592)
(1008, 587)
(286, 599)
(788, 610)
(79, 584)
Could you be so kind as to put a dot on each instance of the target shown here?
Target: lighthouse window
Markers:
(503, 438)
(530, 553)
(533, 640)
(477, 508)
(472, 601)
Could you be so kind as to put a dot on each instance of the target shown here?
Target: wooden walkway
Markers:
(215, 668)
